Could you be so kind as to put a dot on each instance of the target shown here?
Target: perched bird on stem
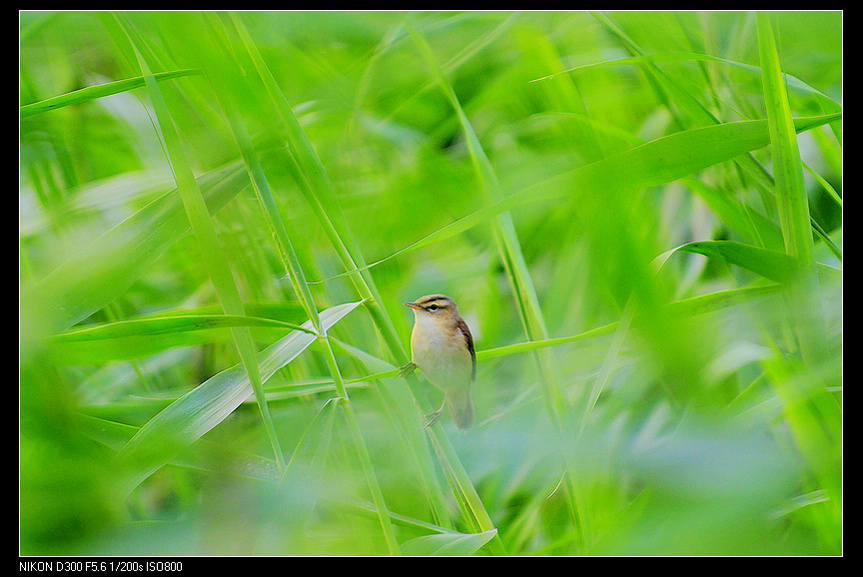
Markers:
(442, 348)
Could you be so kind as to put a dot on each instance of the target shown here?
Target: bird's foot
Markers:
(432, 418)
(407, 369)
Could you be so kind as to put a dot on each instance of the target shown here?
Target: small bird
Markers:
(442, 348)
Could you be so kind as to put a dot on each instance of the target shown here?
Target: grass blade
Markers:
(812, 412)
(686, 307)
(95, 92)
(828, 103)
(787, 166)
(138, 338)
(773, 265)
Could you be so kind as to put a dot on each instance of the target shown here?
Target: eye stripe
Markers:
(441, 302)
(431, 303)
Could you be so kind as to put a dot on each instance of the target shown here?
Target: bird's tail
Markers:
(461, 408)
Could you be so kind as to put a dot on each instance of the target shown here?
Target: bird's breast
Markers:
(443, 357)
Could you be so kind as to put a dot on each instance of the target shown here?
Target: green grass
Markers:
(639, 214)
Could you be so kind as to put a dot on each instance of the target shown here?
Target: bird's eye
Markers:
(432, 308)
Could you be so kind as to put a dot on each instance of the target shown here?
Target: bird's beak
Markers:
(413, 306)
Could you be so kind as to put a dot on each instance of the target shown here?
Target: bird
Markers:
(442, 348)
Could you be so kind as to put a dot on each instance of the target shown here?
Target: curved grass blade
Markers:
(448, 544)
(154, 326)
(139, 338)
(188, 418)
(99, 91)
(770, 264)
(773, 265)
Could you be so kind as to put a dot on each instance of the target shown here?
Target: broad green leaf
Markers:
(192, 415)
(448, 544)
(660, 161)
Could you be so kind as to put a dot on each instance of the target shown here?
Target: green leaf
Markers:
(812, 417)
(660, 161)
(787, 167)
(139, 338)
(448, 544)
(192, 415)
(770, 264)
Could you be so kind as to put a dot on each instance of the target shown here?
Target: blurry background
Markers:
(680, 417)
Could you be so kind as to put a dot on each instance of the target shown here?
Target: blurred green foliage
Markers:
(675, 415)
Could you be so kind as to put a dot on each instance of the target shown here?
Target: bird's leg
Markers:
(434, 415)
